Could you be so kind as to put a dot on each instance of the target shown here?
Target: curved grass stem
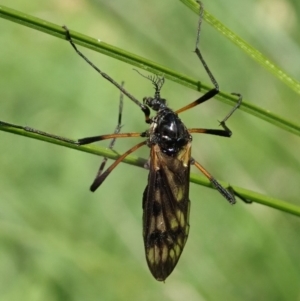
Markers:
(133, 160)
(140, 62)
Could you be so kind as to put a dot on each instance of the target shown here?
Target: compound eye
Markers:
(163, 101)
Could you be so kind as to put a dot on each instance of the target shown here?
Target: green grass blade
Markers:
(133, 160)
(248, 49)
(148, 65)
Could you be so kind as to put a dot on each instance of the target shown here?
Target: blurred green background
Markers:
(58, 241)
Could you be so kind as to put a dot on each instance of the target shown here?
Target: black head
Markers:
(155, 103)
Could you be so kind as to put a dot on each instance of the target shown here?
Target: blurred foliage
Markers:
(58, 241)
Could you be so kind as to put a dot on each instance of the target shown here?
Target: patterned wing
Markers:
(166, 210)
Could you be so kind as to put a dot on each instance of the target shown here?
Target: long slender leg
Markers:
(99, 180)
(38, 132)
(226, 194)
(117, 130)
(82, 141)
(113, 136)
(222, 133)
(143, 107)
(89, 140)
(100, 177)
(238, 104)
(226, 132)
(229, 193)
(211, 93)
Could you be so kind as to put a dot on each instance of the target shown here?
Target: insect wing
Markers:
(166, 210)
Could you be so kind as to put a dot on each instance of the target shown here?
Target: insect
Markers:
(166, 201)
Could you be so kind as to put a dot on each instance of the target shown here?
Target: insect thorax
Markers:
(169, 132)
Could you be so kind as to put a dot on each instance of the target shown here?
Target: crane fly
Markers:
(166, 201)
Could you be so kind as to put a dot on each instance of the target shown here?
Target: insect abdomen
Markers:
(163, 250)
